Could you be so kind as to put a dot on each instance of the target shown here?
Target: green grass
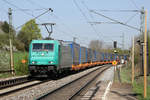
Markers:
(137, 85)
(4, 60)
(138, 88)
(125, 75)
(5, 75)
(20, 68)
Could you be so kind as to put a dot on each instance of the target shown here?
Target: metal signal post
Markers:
(10, 41)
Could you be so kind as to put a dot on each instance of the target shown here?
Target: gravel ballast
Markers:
(38, 90)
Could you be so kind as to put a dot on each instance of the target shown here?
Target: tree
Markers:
(148, 67)
(28, 32)
(5, 27)
(96, 45)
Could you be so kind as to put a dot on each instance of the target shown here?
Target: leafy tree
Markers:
(5, 27)
(28, 32)
(148, 52)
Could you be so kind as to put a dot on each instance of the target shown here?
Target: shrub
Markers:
(21, 68)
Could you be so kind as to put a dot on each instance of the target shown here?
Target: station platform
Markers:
(106, 89)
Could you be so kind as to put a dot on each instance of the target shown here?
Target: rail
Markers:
(12, 82)
(65, 85)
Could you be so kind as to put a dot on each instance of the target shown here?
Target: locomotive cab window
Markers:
(43, 47)
(48, 46)
(37, 46)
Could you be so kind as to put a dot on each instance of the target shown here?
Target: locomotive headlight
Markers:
(33, 62)
(50, 62)
(42, 54)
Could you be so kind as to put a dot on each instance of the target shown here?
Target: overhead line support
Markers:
(115, 20)
(37, 16)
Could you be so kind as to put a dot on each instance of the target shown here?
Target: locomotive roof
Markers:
(44, 41)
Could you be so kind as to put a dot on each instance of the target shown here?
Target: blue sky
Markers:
(73, 20)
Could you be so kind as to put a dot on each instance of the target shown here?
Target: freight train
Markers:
(54, 56)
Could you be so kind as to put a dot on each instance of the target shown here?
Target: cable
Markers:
(91, 18)
(37, 16)
(80, 10)
(131, 18)
(30, 9)
(17, 7)
(134, 4)
(117, 10)
(115, 20)
(61, 31)
(32, 2)
(87, 20)
(64, 25)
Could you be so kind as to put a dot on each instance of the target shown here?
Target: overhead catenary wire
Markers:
(134, 4)
(71, 33)
(131, 18)
(91, 18)
(32, 2)
(103, 10)
(115, 20)
(60, 21)
(67, 34)
(38, 9)
(85, 17)
(56, 17)
(22, 11)
(17, 7)
(83, 14)
(35, 17)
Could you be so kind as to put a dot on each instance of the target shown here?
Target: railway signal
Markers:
(115, 44)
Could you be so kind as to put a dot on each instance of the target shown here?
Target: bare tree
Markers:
(96, 45)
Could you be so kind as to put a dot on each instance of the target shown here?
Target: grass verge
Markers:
(19, 67)
(125, 75)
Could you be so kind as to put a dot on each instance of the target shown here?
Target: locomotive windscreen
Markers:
(48, 46)
(43, 46)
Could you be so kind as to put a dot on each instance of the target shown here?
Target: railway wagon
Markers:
(75, 50)
(52, 56)
(89, 55)
(99, 56)
(102, 57)
(83, 57)
(94, 56)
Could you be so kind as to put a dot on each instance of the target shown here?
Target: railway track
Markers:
(17, 84)
(13, 81)
(72, 89)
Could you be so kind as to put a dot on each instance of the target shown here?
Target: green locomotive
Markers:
(43, 56)
(52, 56)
